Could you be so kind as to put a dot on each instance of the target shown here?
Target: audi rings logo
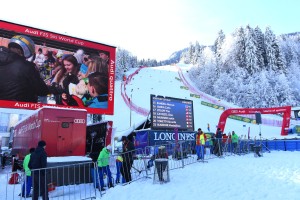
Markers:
(79, 121)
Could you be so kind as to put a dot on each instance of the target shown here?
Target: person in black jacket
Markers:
(3, 160)
(218, 147)
(38, 165)
(128, 151)
(19, 78)
(161, 162)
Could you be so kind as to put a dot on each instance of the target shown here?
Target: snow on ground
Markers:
(276, 175)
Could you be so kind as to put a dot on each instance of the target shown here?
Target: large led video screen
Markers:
(43, 68)
(169, 113)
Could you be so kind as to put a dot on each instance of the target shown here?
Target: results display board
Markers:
(170, 113)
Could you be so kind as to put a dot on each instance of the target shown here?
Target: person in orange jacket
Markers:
(200, 142)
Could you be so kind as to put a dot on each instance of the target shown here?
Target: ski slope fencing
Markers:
(81, 180)
(127, 100)
(265, 121)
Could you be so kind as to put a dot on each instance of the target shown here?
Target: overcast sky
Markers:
(156, 28)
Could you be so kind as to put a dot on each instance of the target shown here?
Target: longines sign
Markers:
(156, 136)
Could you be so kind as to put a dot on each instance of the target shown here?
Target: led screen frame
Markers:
(168, 113)
(68, 44)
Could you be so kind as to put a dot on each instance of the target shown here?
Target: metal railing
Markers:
(82, 180)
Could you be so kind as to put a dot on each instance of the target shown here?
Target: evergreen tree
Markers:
(188, 57)
(217, 48)
(240, 47)
(251, 51)
(260, 50)
(196, 53)
(270, 44)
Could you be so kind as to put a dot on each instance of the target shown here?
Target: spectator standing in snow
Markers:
(3, 160)
(38, 165)
(19, 78)
(119, 161)
(199, 144)
(103, 167)
(27, 181)
(224, 140)
(234, 140)
(218, 147)
(127, 155)
(94, 156)
(161, 162)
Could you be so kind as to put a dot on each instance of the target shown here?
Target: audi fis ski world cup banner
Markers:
(42, 68)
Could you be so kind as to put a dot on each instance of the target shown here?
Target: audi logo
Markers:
(79, 121)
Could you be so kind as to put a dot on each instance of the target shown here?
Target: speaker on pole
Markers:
(258, 118)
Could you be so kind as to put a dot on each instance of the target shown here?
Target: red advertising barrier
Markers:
(286, 110)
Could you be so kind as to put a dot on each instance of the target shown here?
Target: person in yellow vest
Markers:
(119, 161)
(200, 142)
(28, 180)
(202, 145)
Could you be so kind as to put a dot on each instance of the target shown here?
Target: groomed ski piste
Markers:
(132, 100)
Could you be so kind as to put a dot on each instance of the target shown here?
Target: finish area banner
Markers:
(151, 137)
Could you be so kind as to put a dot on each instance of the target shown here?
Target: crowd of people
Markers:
(35, 163)
(53, 76)
(215, 143)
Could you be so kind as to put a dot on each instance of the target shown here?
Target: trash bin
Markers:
(161, 172)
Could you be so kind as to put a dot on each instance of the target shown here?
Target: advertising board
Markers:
(39, 67)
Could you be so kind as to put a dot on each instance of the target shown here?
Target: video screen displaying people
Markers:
(54, 70)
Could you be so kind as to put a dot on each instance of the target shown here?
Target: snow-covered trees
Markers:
(251, 51)
(249, 68)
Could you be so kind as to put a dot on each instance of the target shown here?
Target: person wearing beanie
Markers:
(42, 143)
(103, 167)
(127, 155)
(38, 165)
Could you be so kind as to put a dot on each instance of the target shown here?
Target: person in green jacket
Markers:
(103, 167)
(28, 180)
(234, 140)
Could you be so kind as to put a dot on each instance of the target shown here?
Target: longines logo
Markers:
(79, 121)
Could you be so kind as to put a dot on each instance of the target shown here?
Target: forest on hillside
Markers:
(248, 67)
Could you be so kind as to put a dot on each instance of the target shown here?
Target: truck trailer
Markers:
(63, 130)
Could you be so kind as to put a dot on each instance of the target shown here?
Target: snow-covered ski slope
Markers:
(168, 81)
